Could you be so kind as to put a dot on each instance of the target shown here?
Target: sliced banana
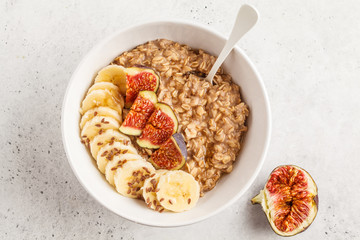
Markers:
(98, 125)
(104, 85)
(118, 161)
(108, 151)
(115, 91)
(124, 168)
(109, 136)
(100, 111)
(150, 189)
(178, 191)
(129, 178)
(115, 74)
(103, 98)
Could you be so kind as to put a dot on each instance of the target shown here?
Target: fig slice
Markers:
(289, 200)
(140, 112)
(171, 155)
(161, 125)
(139, 78)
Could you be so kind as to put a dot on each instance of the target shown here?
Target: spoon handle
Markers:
(245, 20)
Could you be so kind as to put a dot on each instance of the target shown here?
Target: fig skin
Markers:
(263, 199)
(181, 143)
(144, 67)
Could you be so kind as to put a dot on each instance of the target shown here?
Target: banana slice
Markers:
(118, 161)
(178, 191)
(115, 91)
(100, 111)
(108, 151)
(109, 136)
(103, 98)
(115, 74)
(150, 189)
(104, 85)
(130, 176)
(98, 125)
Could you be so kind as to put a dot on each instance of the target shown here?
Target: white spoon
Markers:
(245, 20)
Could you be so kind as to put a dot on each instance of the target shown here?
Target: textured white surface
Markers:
(306, 51)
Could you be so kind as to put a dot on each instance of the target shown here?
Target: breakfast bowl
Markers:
(253, 149)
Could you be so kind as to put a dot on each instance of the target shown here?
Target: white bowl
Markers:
(231, 186)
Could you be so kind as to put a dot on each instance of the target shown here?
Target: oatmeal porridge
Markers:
(212, 119)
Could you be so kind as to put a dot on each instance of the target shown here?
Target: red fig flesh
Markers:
(139, 78)
(289, 200)
(140, 112)
(159, 128)
(169, 156)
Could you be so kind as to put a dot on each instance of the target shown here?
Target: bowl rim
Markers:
(193, 25)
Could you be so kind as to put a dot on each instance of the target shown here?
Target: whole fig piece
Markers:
(289, 200)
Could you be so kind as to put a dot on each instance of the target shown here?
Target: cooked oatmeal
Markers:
(211, 118)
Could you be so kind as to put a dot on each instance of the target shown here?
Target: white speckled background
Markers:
(308, 53)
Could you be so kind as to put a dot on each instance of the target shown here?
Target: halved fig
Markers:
(159, 128)
(171, 155)
(140, 78)
(140, 112)
(289, 200)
